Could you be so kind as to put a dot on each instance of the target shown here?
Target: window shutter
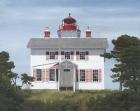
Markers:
(62, 52)
(72, 55)
(47, 75)
(47, 55)
(77, 52)
(100, 75)
(62, 55)
(78, 75)
(87, 55)
(86, 75)
(71, 52)
(34, 74)
(90, 75)
(77, 55)
(56, 74)
(56, 55)
(43, 75)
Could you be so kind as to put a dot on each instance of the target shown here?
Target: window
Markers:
(52, 75)
(52, 55)
(82, 75)
(82, 55)
(95, 75)
(38, 74)
(67, 55)
(66, 70)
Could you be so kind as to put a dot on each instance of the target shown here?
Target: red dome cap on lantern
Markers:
(69, 23)
(69, 20)
(69, 27)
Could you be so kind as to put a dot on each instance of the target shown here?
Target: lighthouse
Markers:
(67, 61)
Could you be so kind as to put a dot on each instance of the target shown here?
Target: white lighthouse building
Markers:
(69, 61)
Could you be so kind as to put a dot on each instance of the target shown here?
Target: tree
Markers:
(116, 101)
(131, 58)
(123, 42)
(26, 79)
(6, 67)
(9, 95)
(13, 77)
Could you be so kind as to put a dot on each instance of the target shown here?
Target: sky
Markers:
(21, 20)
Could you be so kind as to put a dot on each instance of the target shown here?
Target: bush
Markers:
(117, 101)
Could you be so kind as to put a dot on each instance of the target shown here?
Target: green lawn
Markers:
(46, 100)
(49, 95)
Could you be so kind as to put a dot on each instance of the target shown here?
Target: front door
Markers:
(66, 78)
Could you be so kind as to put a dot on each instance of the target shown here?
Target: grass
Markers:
(49, 95)
(47, 99)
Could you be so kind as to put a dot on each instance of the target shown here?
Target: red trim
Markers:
(69, 27)
(46, 34)
(55, 66)
(88, 33)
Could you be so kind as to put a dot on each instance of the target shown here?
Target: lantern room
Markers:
(68, 28)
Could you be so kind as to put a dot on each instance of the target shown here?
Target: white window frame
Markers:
(52, 55)
(82, 55)
(82, 75)
(95, 75)
(54, 75)
(38, 75)
(67, 55)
